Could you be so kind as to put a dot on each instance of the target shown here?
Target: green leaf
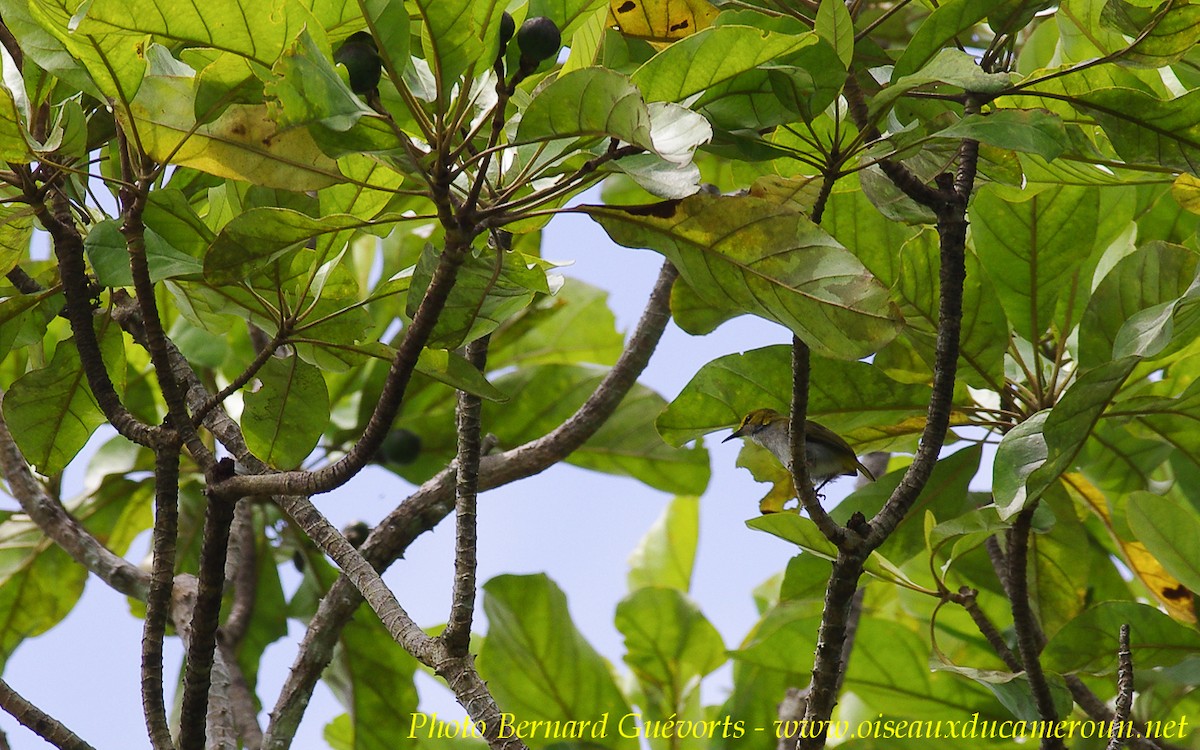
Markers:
(873, 237)
(712, 57)
(626, 444)
(309, 90)
(590, 102)
(1022, 451)
(244, 143)
(1060, 562)
(538, 665)
(1165, 34)
(13, 146)
(835, 26)
(952, 66)
(568, 15)
(1146, 129)
(39, 582)
(16, 230)
(22, 312)
(1169, 529)
(810, 83)
(113, 60)
(172, 218)
(666, 554)
(940, 29)
(1088, 644)
(227, 79)
(669, 645)
(693, 314)
(108, 253)
(785, 637)
(1155, 274)
(1166, 415)
(1034, 247)
(1030, 130)
(845, 396)
(51, 411)
(802, 532)
(285, 417)
(894, 672)
(490, 288)
(450, 38)
(43, 47)
(575, 325)
(373, 678)
(258, 31)
(757, 256)
(255, 238)
(454, 370)
(945, 496)
(1164, 326)
(1035, 457)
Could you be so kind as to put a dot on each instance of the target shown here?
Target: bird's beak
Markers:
(732, 435)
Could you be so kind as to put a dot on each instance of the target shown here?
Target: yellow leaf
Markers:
(1174, 596)
(1186, 192)
(661, 21)
(242, 144)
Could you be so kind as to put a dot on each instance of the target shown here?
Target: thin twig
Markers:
(1024, 622)
(801, 476)
(308, 483)
(1124, 707)
(218, 518)
(38, 721)
(243, 570)
(60, 526)
(68, 249)
(158, 600)
(457, 635)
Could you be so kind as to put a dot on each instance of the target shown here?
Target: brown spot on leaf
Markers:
(626, 6)
(1177, 592)
(238, 129)
(660, 210)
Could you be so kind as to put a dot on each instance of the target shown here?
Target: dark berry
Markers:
(400, 447)
(356, 533)
(508, 27)
(361, 58)
(539, 39)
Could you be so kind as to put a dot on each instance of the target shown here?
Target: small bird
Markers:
(828, 455)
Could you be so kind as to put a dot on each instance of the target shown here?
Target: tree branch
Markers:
(1029, 644)
(309, 483)
(426, 507)
(831, 640)
(218, 518)
(1124, 692)
(38, 721)
(133, 203)
(68, 249)
(457, 635)
(158, 600)
(801, 477)
(59, 525)
(457, 670)
(243, 570)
